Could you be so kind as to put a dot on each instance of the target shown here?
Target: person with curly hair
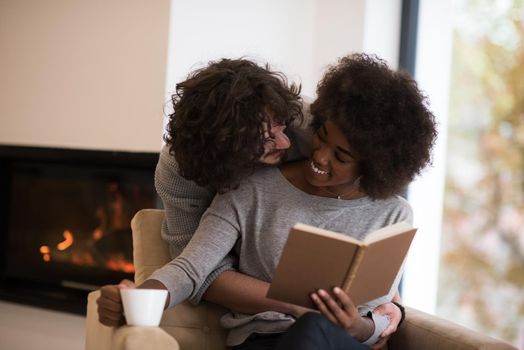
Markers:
(230, 107)
(229, 118)
(373, 133)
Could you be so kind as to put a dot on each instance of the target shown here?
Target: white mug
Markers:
(143, 307)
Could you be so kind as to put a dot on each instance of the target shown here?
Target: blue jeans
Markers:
(312, 331)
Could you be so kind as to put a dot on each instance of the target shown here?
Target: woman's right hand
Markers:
(341, 311)
(110, 310)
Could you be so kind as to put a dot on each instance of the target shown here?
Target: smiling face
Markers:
(333, 167)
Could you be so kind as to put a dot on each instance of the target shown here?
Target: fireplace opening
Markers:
(66, 221)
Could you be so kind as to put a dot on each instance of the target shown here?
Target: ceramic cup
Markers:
(143, 307)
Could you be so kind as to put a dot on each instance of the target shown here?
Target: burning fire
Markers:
(45, 253)
(67, 242)
(84, 257)
(92, 251)
(118, 263)
(97, 234)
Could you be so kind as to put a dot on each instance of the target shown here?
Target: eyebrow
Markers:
(343, 150)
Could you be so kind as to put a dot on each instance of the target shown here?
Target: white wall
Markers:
(92, 74)
(83, 74)
(382, 29)
(298, 37)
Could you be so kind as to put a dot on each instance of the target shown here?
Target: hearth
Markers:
(65, 221)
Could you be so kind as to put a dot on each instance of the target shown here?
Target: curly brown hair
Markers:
(216, 129)
(385, 119)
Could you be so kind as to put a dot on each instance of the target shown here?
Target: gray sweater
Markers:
(254, 220)
(184, 201)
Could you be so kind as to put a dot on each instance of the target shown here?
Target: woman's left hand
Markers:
(343, 313)
(393, 313)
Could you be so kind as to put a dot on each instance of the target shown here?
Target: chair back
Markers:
(194, 327)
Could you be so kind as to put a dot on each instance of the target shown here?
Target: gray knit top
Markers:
(184, 201)
(254, 221)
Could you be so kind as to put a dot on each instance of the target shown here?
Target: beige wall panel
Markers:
(83, 73)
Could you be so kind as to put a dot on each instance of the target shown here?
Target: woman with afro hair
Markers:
(373, 135)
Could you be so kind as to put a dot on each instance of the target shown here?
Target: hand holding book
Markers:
(341, 311)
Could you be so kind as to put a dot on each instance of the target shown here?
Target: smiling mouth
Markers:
(317, 170)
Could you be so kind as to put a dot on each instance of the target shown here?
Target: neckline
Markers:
(330, 200)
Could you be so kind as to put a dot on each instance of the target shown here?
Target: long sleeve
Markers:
(184, 203)
(188, 273)
(381, 323)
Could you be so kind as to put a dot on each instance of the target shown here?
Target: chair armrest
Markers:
(100, 337)
(140, 338)
(424, 331)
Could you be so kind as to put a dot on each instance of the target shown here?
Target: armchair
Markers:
(197, 328)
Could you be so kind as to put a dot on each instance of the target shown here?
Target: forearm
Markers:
(155, 284)
(363, 329)
(246, 294)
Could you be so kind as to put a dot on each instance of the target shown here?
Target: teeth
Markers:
(317, 170)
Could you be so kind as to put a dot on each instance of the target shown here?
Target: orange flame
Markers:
(45, 253)
(118, 263)
(97, 234)
(67, 242)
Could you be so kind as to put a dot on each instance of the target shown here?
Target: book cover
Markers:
(314, 258)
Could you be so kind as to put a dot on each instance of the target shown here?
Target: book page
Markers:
(380, 265)
(387, 231)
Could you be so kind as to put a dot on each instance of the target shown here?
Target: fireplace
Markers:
(65, 221)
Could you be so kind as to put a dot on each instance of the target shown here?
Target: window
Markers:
(470, 61)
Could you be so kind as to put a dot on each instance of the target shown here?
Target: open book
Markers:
(314, 258)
